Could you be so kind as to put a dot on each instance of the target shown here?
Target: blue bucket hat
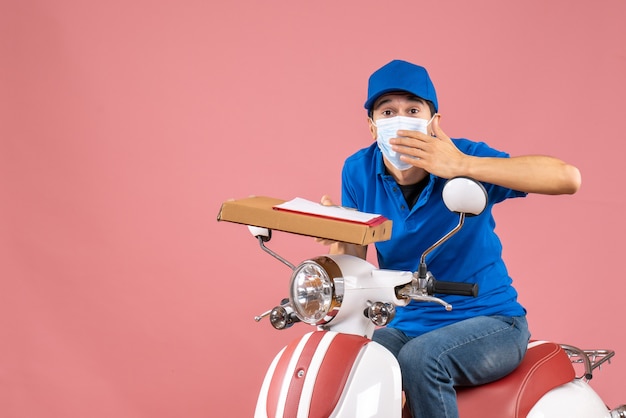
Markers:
(400, 75)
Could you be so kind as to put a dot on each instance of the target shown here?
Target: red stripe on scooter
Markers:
(273, 392)
(334, 372)
(302, 366)
(280, 374)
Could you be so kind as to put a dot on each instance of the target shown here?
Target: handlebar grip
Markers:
(453, 288)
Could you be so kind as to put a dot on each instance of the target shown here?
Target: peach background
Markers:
(125, 124)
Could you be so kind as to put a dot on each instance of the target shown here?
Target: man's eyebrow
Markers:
(414, 98)
(410, 97)
(382, 102)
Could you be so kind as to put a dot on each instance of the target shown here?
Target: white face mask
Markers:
(388, 128)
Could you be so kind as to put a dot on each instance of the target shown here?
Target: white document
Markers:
(305, 206)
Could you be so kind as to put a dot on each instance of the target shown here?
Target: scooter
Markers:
(336, 370)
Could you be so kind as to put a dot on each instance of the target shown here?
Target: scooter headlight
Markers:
(316, 290)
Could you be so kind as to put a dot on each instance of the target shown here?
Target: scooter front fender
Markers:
(328, 374)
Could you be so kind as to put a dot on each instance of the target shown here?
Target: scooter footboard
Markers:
(328, 374)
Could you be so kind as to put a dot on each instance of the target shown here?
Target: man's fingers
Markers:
(326, 200)
(324, 241)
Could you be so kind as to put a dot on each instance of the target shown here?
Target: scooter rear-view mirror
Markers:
(465, 195)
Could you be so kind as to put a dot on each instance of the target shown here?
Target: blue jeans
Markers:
(471, 352)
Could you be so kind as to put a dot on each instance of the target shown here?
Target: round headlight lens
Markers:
(311, 292)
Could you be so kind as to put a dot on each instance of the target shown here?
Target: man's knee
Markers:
(418, 355)
(390, 338)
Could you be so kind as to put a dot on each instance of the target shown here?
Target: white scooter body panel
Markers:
(373, 387)
(573, 400)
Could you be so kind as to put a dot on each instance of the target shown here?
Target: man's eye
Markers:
(415, 111)
(386, 112)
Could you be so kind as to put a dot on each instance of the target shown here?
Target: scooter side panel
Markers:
(374, 388)
(573, 400)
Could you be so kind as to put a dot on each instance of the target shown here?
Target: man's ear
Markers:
(434, 124)
(372, 127)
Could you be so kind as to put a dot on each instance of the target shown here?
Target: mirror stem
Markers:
(422, 268)
(273, 254)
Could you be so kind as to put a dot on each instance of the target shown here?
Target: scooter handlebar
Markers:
(452, 288)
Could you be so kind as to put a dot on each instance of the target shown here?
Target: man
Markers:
(401, 176)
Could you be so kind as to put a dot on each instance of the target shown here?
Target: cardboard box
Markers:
(259, 211)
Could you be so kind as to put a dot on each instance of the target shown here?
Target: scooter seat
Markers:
(544, 367)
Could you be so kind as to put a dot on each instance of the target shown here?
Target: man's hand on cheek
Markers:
(435, 153)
